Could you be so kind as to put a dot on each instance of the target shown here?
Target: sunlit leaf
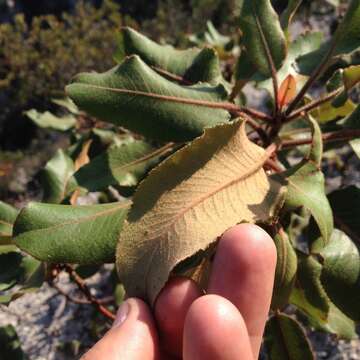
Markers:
(136, 97)
(70, 234)
(49, 120)
(287, 91)
(7, 218)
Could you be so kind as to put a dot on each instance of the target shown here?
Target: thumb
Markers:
(132, 337)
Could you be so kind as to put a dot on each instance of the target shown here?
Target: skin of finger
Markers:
(215, 330)
(243, 272)
(135, 339)
(171, 308)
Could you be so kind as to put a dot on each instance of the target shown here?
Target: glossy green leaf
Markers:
(285, 272)
(49, 120)
(285, 339)
(193, 65)
(261, 29)
(341, 273)
(55, 177)
(345, 40)
(125, 165)
(136, 97)
(306, 186)
(345, 205)
(311, 299)
(10, 344)
(7, 218)
(70, 234)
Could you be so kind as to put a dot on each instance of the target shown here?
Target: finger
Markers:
(171, 308)
(243, 272)
(132, 337)
(215, 330)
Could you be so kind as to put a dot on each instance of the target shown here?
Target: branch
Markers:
(341, 135)
(312, 105)
(86, 291)
(314, 76)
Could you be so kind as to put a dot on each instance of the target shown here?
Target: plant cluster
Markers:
(185, 159)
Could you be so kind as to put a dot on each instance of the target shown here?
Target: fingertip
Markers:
(132, 337)
(215, 329)
(171, 308)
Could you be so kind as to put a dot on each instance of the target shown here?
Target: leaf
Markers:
(189, 200)
(288, 14)
(49, 120)
(7, 217)
(327, 111)
(55, 177)
(124, 165)
(70, 234)
(351, 76)
(287, 91)
(286, 339)
(83, 157)
(352, 121)
(261, 29)
(193, 65)
(15, 268)
(303, 44)
(311, 299)
(345, 204)
(10, 344)
(136, 97)
(67, 104)
(346, 40)
(306, 186)
(355, 144)
(285, 272)
(340, 275)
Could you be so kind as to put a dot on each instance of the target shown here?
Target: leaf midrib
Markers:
(81, 220)
(187, 101)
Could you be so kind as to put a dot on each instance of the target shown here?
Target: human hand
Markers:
(225, 324)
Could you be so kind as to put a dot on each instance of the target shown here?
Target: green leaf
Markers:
(345, 40)
(345, 205)
(306, 186)
(286, 339)
(136, 97)
(7, 218)
(15, 268)
(352, 121)
(261, 29)
(70, 234)
(303, 44)
(49, 120)
(288, 14)
(341, 273)
(125, 165)
(189, 200)
(285, 272)
(55, 177)
(311, 299)
(193, 65)
(10, 344)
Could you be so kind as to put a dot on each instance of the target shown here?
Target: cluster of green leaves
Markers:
(214, 163)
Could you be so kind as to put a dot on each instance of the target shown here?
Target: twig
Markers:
(314, 76)
(334, 136)
(314, 104)
(86, 291)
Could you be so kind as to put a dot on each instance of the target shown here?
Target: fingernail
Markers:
(122, 314)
